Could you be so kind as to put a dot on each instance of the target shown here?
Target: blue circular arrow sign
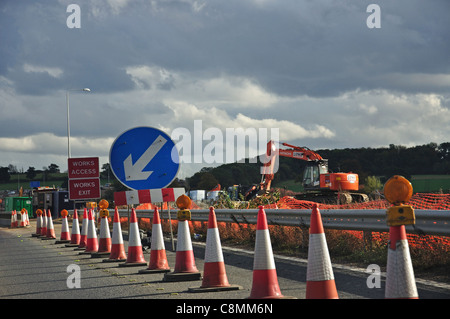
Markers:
(144, 158)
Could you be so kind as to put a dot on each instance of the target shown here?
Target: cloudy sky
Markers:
(311, 68)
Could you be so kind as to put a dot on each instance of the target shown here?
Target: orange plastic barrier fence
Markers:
(417, 201)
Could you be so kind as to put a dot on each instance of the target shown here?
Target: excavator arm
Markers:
(272, 153)
(302, 153)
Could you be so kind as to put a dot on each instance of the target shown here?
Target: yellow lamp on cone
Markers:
(103, 204)
(183, 203)
(398, 190)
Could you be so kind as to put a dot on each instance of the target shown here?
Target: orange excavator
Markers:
(319, 184)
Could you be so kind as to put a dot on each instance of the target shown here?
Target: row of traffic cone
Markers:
(214, 278)
(105, 245)
(24, 221)
(44, 225)
(86, 239)
(320, 283)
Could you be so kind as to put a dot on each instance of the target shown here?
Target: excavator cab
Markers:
(319, 183)
(312, 172)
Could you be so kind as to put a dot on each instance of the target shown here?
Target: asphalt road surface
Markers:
(33, 268)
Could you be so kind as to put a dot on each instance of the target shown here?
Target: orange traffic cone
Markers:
(185, 268)
(158, 259)
(44, 224)
(319, 272)
(84, 230)
(50, 229)
(23, 220)
(214, 274)
(117, 247)
(27, 218)
(135, 253)
(14, 219)
(75, 236)
(65, 235)
(400, 281)
(265, 280)
(91, 240)
(104, 242)
(38, 223)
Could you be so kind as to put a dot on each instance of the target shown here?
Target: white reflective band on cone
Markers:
(213, 248)
(400, 280)
(263, 253)
(157, 234)
(319, 263)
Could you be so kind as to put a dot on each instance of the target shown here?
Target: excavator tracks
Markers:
(340, 198)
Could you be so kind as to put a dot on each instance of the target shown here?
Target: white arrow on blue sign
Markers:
(144, 158)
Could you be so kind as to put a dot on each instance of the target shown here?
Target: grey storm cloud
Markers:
(316, 48)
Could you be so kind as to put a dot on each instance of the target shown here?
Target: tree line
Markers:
(382, 162)
(30, 173)
(46, 172)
